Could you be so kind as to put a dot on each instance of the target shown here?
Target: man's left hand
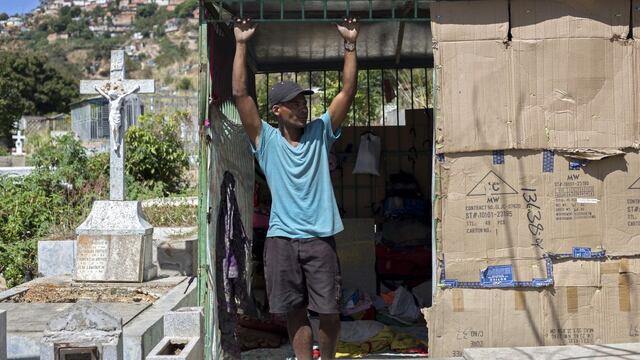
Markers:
(349, 29)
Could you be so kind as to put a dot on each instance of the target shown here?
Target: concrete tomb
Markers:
(183, 336)
(83, 332)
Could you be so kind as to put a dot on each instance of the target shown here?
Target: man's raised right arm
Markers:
(245, 104)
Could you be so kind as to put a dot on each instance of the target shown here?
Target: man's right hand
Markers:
(243, 29)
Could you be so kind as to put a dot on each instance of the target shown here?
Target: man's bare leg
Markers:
(300, 334)
(328, 338)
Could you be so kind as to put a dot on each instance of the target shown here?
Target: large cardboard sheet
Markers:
(469, 20)
(552, 19)
(564, 81)
(468, 318)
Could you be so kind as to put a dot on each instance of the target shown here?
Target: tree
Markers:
(155, 153)
(75, 11)
(186, 9)
(60, 24)
(4, 16)
(147, 10)
(64, 11)
(11, 106)
(30, 84)
(185, 84)
(98, 13)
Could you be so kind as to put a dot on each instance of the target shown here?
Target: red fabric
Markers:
(405, 261)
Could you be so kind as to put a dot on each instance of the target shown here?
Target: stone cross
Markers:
(19, 138)
(116, 89)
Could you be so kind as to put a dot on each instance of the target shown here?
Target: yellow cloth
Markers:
(386, 339)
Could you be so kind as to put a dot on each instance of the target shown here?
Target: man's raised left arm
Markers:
(340, 105)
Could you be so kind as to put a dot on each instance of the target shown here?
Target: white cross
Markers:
(115, 90)
(19, 138)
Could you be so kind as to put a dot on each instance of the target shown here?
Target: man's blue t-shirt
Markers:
(302, 201)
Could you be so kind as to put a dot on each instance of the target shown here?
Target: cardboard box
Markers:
(521, 204)
(572, 272)
(621, 299)
(486, 205)
(493, 273)
(622, 207)
(572, 316)
(470, 20)
(553, 19)
(564, 82)
(571, 93)
(474, 95)
(467, 318)
(592, 302)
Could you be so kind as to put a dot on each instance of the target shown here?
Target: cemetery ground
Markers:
(57, 196)
(38, 222)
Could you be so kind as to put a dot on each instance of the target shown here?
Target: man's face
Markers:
(293, 112)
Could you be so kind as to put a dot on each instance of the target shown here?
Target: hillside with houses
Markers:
(158, 36)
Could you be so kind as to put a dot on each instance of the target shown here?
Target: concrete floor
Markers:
(598, 352)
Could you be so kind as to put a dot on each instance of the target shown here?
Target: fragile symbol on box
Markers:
(635, 185)
(492, 184)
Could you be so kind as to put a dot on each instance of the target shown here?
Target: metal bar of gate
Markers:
(224, 7)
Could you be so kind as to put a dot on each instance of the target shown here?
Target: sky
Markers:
(17, 6)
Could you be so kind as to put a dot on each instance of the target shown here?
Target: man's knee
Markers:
(329, 319)
(298, 315)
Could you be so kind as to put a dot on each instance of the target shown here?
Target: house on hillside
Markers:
(124, 19)
(171, 26)
(14, 22)
(53, 37)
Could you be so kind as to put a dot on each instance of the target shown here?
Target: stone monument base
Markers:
(115, 243)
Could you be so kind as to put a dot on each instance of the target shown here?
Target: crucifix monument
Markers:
(19, 138)
(116, 89)
(115, 241)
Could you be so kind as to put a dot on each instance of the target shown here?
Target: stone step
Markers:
(601, 352)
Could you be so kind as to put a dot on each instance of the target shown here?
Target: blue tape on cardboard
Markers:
(541, 282)
(498, 157)
(547, 161)
(497, 276)
(581, 253)
(576, 164)
(449, 283)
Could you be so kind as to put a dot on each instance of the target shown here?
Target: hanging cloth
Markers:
(232, 273)
(368, 160)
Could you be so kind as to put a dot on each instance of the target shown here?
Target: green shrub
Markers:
(58, 195)
(172, 215)
(155, 154)
(185, 84)
(55, 198)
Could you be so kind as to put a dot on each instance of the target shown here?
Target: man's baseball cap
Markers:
(285, 91)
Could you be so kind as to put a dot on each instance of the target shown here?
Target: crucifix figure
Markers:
(116, 89)
(116, 101)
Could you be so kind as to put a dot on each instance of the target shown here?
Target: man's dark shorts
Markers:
(302, 273)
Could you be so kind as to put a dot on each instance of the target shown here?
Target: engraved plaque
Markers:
(92, 258)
